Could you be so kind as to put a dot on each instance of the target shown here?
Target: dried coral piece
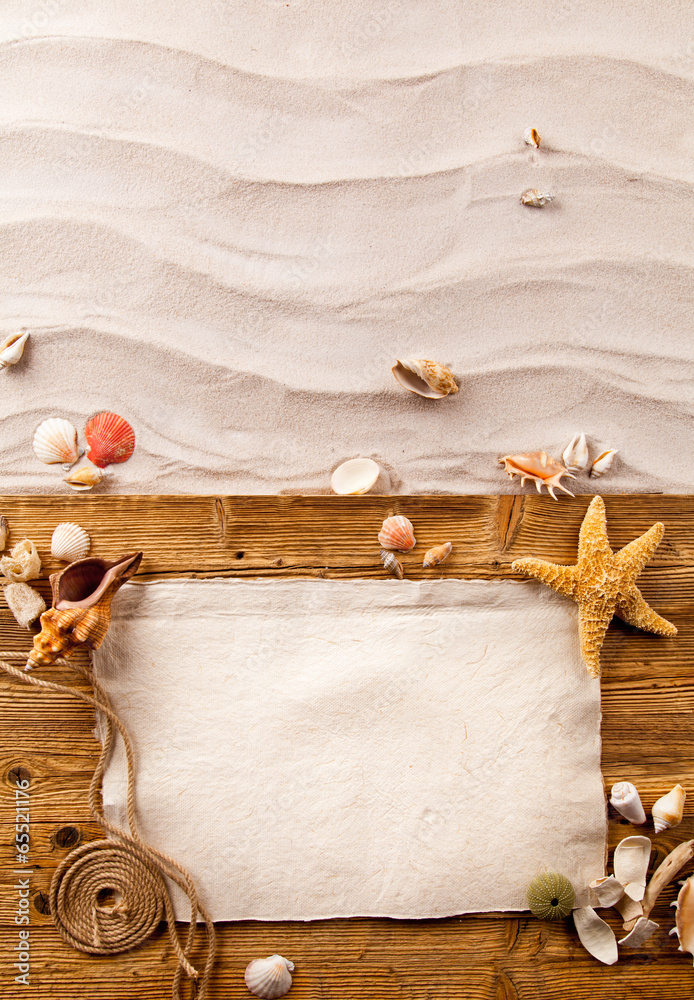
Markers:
(22, 564)
(25, 603)
(535, 198)
(110, 439)
(550, 896)
(426, 378)
(595, 935)
(437, 554)
(684, 917)
(603, 463)
(397, 533)
(532, 137)
(538, 467)
(12, 348)
(392, 564)
(627, 801)
(269, 977)
(55, 442)
(602, 582)
(668, 810)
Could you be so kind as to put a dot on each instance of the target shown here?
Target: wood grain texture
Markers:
(648, 713)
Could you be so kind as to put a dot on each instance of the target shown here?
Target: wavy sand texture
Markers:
(226, 220)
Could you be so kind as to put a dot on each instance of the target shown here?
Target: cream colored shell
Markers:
(595, 935)
(22, 564)
(85, 478)
(627, 801)
(55, 442)
(535, 198)
(630, 863)
(269, 977)
(426, 378)
(70, 542)
(354, 477)
(12, 348)
(668, 810)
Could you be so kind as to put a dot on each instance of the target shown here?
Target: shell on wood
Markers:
(640, 933)
(607, 890)
(684, 917)
(539, 468)
(22, 564)
(550, 896)
(110, 439)
(575, 456)
(392, 564)
(668, 810)
(595, 935)
(81, 612)
(627, 801)
(25, 603)
(535, 198)
(437, 554)
(12, 348)
(531, 137)
(70, 542)
(630, 864)
(426, 378)
(354, 477)
(269, 977)
(397, 533)
(603, 463)
(85, 478)
(4, 531)
(55, 442)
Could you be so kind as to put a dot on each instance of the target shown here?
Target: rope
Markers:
(126, 869)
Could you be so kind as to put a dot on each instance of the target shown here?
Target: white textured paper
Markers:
(315, 748)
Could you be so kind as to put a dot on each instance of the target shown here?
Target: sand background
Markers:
(226, 220)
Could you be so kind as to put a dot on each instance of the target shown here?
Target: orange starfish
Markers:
(602, 582)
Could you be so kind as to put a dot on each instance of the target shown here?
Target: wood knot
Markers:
(17, 774)
(66, 837)
(41, 903)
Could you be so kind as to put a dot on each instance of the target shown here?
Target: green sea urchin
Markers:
(550, 896)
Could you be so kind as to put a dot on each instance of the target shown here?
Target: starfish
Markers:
(602, 582)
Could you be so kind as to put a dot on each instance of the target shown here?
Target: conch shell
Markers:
(627, 801)
(603, 463)
(84, 478)
(669, 809)
(684, 918)
(538, 466)
(531, 137)
(426, 378)
(81, 612)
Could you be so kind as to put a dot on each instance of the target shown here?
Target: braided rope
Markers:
(126, 867)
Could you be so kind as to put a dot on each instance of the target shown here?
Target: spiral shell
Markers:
(437, 555)
(550, 896)
(55, 442)
(684, 918)
(669, 809)
(392, 564)
(603, 463)
(70, 542)
(426, 378)
(22, 564)
(12, 348)
(627, 801)
(397, 533)
(110, 438)
(85, 478)
(531, 137)
(535, 198)
(269, 977)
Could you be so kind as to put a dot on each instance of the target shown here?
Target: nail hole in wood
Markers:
(240, 555)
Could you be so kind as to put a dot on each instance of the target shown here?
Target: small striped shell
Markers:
(269, 977)
(538, 199)
(110, 439)
(550, 896)
(70, 542)
(437, 555)
(397, 533)
(12, 348)
(85, 478)
(22, 564)
(532, 137)
(426, 378)
(392, 564)
(55, 441)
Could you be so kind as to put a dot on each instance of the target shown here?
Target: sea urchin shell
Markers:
(550, 896)
(111, 439)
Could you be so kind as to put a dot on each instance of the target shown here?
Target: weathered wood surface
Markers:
(648, 724)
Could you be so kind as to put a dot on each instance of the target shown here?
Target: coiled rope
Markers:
(108, 896)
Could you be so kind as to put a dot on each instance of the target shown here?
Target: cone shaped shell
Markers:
(55, 442)
(603, 463)
(630, 863)
(596, 936)
(627, 801)
(70, 542)
(532, 137)
(392, 564)
(354, 477)
(669, 810)
(550, 896)
(426, 378)
(22, 564)
(397, 533)
(85, 478)
(12, 349)
(111, 439)
(437, 555)
(269, 977)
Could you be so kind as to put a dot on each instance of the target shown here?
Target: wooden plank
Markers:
(648, 712)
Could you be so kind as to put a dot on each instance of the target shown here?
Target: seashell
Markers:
(550, 896)
(603, 463)
(607, 889)
(55, 441)
(70, 542)
(575, 456)
(437, 555)
(669, 809)
(354, 477)
(81, 612)
(22, 564)
(392, 564)
(84, 478)
(12, 349)
(4, 532)
(426, 378)
(684, 917)
(269, 977)
(25, 603)
(626, 800)
(531, 137)
(630, 863)
(397, 533)
(662, 876)
(595, 935)
(538, 199)
(538, 466)
(110, 439)
(640, 933)
(630, 911)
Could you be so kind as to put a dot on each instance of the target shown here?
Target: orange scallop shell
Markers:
(397, 533)
(111, 439)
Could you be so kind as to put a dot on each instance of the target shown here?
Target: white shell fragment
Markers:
(12, 348)
(603, 463)
(70, 542)
(55, 442)
(575, 455)
(4, 532)
(392, 564)
(631, 857)
(426, 378)
(25, 603)
(269, 977)
(629, 910)
(531, 137)
(627, 801)
(85, 478)
(643, 929)
(596, 936)
(538, 199)
(354, 477)
(668, 810)
(22, 564)
(607, 890)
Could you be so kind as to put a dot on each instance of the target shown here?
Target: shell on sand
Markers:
(269, 977)
(535, 198)
(538, 467)
(85, 478)
(426, 378)
(531, 137)
(354, 477)
(603, 463)
(70, 542)
(110, 439)
(575, 456)
(55, 442)
(397, 533)
(12, 348)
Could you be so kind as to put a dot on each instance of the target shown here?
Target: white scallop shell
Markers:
(354, 477)
(575, 455)
(12, 349)
(538, 199)
(55, 441)
(22, 564)
(532, 137)
(84, 478)
(627, 801)
(269, 977)
(70, 542)
(603, 463)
